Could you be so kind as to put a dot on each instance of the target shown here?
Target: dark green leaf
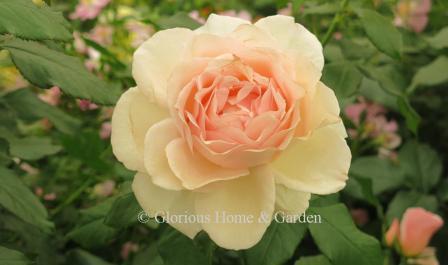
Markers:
(373, 91)
(12, 257)
(148, 256)
(46, 68)
(339, 239)
(381, 32)
(406, 199)
(176, 249)
(277, 245)
(327, 8)
(124, 211)
(388, 76)
(180, 19)
(409, 113)
(431, 75)
(314, 260)
(19, 200)
(92, 234)
(82, 257)
(384, 175)
(343, 77)
(29, 106)
(440, 40)
(24, 19)
(421, 164)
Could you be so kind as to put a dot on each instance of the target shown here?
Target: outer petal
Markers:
(317, 165)
(393, 233)
(193, 169)
(155, 60)
(221, 25)
(156, 201)
(417, 228)
(252, 195)
(291, 202)
(294, 38)
(133, 115)
(155, 160)
(318, 111)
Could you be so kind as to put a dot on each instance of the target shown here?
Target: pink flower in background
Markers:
(412, 14)
(105, 188)
(128, 248)
(101, 34)
(139, 32)
(414, 232)
(105, 130)
(196, 16)
(286, 11)
(50, 196)
(51, 96)
(88, 9)
(85, 104)
(360, 216)
(376, 125)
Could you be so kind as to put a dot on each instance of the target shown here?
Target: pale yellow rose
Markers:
(231, 118)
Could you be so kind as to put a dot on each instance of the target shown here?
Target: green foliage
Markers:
(343, 77)
(12, 257)
(314, 260)
(26, 20)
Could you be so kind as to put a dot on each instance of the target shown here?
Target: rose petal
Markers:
(221, 25)
(158, 201)
(155, 160)
(193, 169)
(317, 165)
(133, 115)
(155, 60)
(392, 233)
(293, 37)
(291, 202)
(251, 195)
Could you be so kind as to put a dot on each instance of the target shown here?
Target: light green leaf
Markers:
(148, 256)
(343, 77)
(46, 68)
(19, 200)
(29, 107)
(176, 248)
(411, 116)
(339, 239)
(29, 148)
(407, 199)
(440, 40)
(92, 234)
(381, 32)
(12, 257)
(26, 20)
(82, 257)
(327, 8)
(124, 211)
(314, 260)
(373, 91)
(277, 245)
(180, 19)
(384, 175)
(422, 165)
(435, 73)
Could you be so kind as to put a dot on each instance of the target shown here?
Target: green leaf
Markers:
(46, 68)
(277, 245)
(339, 239)
(19, 200)
(12, 257)
(176, 248)
(124, 211)
(406, 199)
(180, 19)
(343, 77)
(82, 257)
(422, 165)
(24, 19)
(383, 174)
(148, 256)
(327, 8)
(93, 234)
(388, 76)
(30, 107)
(440, 40)
(381, 32)
(314, 260)
(373, 91)
(411, 116)
(29, 148)
(431, 75)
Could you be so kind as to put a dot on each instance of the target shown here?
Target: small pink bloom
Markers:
(243, 14)
(85, 104)
(50, 196)
(138, 32)
(102, 34)
(88, 9)
(360, 216)
(196, 16)
(38, 191)
(413, 14)
(105, 188)
(51, 96)
(128, 248)
(105, 131)
(393, 233)
(417, 228)
(286, 11)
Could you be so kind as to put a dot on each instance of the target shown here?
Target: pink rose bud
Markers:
(392, 233)
(417, 228)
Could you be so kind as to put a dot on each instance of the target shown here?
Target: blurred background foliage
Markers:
(64, 199)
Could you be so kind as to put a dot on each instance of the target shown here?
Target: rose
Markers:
(412, 235)
(230, 118)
